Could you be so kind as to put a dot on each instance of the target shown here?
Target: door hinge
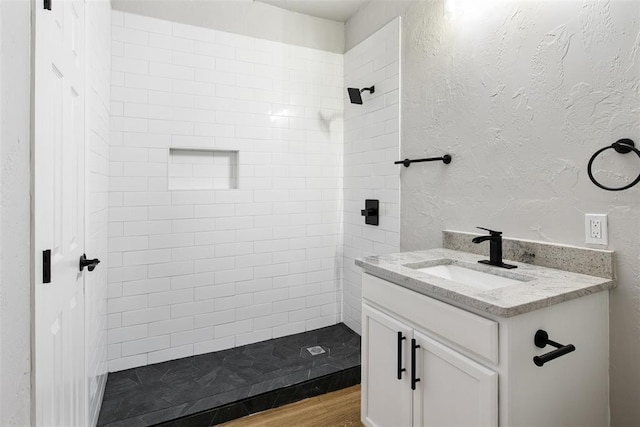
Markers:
(47, 4)
(46, 266)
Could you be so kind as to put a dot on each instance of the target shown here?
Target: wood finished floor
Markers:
(338, 409)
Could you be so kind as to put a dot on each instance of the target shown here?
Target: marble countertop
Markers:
(539, 287)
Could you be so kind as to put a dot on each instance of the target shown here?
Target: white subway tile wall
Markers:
(195, 271)
(371, 145)
(191, 169)
(98, 70)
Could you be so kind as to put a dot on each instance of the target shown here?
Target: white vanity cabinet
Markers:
(387, 393)
(445, 389)
(428, 363)
(453, 389)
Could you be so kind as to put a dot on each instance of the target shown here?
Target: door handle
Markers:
(400, 368)
(89, 263)
(46, 266)
(414, 380)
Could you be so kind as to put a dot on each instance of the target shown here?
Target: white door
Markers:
(453, 391)
(386, 389)
(58, 203)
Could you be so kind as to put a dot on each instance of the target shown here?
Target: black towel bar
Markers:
(446, 159)
(541, 339)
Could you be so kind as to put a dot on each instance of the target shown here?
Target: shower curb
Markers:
(269, 400)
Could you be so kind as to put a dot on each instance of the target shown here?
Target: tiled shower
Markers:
(371, 141)
(235, 190)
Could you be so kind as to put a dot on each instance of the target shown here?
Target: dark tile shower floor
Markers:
(216, 387)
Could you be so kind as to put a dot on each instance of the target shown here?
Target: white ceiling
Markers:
(336, 10)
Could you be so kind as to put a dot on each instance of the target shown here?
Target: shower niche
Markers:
(203, 169)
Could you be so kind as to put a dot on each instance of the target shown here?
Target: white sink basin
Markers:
(469, 277)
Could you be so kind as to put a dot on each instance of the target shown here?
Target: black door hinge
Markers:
(46, 266)
(47, 4)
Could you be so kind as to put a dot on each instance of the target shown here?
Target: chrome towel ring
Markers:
(622, 146)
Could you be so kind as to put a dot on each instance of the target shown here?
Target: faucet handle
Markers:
(492, 232)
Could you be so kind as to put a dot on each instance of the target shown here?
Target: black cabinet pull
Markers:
(400, 368)
(414, 380)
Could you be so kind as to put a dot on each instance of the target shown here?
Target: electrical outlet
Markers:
(595, 231)
(595, 228)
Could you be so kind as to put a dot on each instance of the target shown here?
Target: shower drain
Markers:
(315, 350)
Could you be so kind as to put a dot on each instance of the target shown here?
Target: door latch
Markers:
(89, 263)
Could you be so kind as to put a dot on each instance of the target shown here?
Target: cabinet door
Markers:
(453, 390)
(386, 400)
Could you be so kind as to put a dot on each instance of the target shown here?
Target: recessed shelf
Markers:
(202, 169)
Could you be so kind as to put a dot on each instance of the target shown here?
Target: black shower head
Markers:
(355, 94)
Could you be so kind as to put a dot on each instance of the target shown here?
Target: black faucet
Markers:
(495, 248)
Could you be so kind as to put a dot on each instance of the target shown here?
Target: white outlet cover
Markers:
(604, 235)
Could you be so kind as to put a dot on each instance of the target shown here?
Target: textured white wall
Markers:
(15, 282)
(197, 271)
(371, 145)
(98, 88)
(245, 17)
(368, 19)
(521, 94)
